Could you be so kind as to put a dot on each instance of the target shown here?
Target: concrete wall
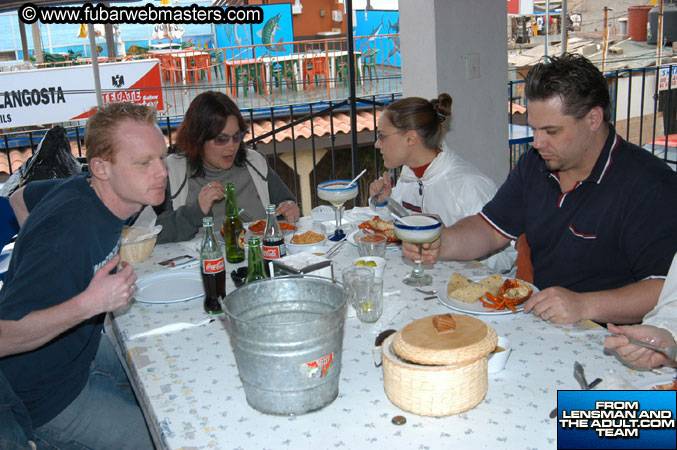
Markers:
(459, 47)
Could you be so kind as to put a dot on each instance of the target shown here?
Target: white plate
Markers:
(351, 239)
(651, 382)
(169, 287)
(477, 307)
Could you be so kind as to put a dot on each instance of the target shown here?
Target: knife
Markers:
(591, 386)
(396, 207)
(166, 329)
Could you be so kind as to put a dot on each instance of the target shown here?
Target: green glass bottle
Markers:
(255, 263)
(233, 231)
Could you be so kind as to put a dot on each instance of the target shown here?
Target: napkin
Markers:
(144, 228)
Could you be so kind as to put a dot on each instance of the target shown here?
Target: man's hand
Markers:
(290, 210)
(210, 193)
(107, 292)
(376, 185)
(427, 253)
(636, 355)
(557, 304)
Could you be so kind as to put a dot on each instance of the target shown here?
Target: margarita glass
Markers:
(422, 229)
(337, 192)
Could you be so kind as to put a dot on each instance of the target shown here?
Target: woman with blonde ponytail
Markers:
(433, 179)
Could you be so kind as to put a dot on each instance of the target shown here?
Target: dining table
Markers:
(182, 55)
(187, 383)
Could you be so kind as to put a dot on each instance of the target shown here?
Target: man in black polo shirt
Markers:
(598, 212)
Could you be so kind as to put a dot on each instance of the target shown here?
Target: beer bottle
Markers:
(233, 231)
(255, 261)
(273, 239)
(213, 269)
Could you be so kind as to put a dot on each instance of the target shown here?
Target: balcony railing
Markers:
(643, 105)
(642, 111)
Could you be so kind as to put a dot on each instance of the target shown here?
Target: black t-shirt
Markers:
(68, 235)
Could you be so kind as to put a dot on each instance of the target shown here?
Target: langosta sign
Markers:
(46, 96)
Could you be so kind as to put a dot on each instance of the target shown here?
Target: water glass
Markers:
(350, 274)
(372, 245)
(368, 299)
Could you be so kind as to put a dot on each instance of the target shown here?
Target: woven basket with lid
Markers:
(435, 371)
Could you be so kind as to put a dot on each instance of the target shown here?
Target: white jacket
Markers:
(452, 188)
(664, 314)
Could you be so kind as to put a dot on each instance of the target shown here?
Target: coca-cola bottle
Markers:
(233, 232)
(273, 239)
(255, 270)
(213, 269)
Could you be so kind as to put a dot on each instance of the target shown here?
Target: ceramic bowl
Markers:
(292, 249)
(499, 357)
(380, 264)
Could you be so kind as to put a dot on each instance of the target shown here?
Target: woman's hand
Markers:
(376, 185)
(634, 354)
(290, 210)
(210, 193)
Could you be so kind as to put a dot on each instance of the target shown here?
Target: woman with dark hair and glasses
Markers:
(210, 152)
(433, 179)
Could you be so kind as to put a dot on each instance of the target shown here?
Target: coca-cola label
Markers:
(272, 252)
(213, 265)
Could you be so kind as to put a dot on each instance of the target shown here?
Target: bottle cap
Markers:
(254, 240)
(208, 221)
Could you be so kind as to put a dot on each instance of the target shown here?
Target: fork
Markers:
(423, 291)
(245, 216)
(669, 350)
(375, 196)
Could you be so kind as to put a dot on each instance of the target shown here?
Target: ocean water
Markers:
(62, 37)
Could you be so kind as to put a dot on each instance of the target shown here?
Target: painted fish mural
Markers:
(394, 29)
(267, 33)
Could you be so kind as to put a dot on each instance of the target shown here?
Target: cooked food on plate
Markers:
(493, 291)
(259, 226)
(309, 237)
(666, 387)
(379, 225)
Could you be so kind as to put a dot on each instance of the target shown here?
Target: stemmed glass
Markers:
(422, 229)
(337, 192)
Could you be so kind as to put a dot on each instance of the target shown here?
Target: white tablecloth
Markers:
(192, 396)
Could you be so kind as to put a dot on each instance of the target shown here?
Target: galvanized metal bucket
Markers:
(287, 336)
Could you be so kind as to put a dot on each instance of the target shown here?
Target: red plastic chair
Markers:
(313, 67)
(198, 64)
(170, 67)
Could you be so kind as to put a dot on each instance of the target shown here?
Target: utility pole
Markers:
(605, 39)
(564, 23)
(547, 26)
(659, 41)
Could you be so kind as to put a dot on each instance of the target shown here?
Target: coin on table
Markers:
(399, 420)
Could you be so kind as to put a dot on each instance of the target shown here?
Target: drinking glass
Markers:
(350, 274)
(371, 245)
(422, 229)
(368, 299)
(337, 192)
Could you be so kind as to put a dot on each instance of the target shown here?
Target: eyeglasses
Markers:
(380, 136)
(224, 139)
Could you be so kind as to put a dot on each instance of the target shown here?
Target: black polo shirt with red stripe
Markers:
(617, 227)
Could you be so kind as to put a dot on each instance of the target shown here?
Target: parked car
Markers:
(658, 148)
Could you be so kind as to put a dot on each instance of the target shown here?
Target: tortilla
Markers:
(457, 281)
(492, 283)
(470, 293)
